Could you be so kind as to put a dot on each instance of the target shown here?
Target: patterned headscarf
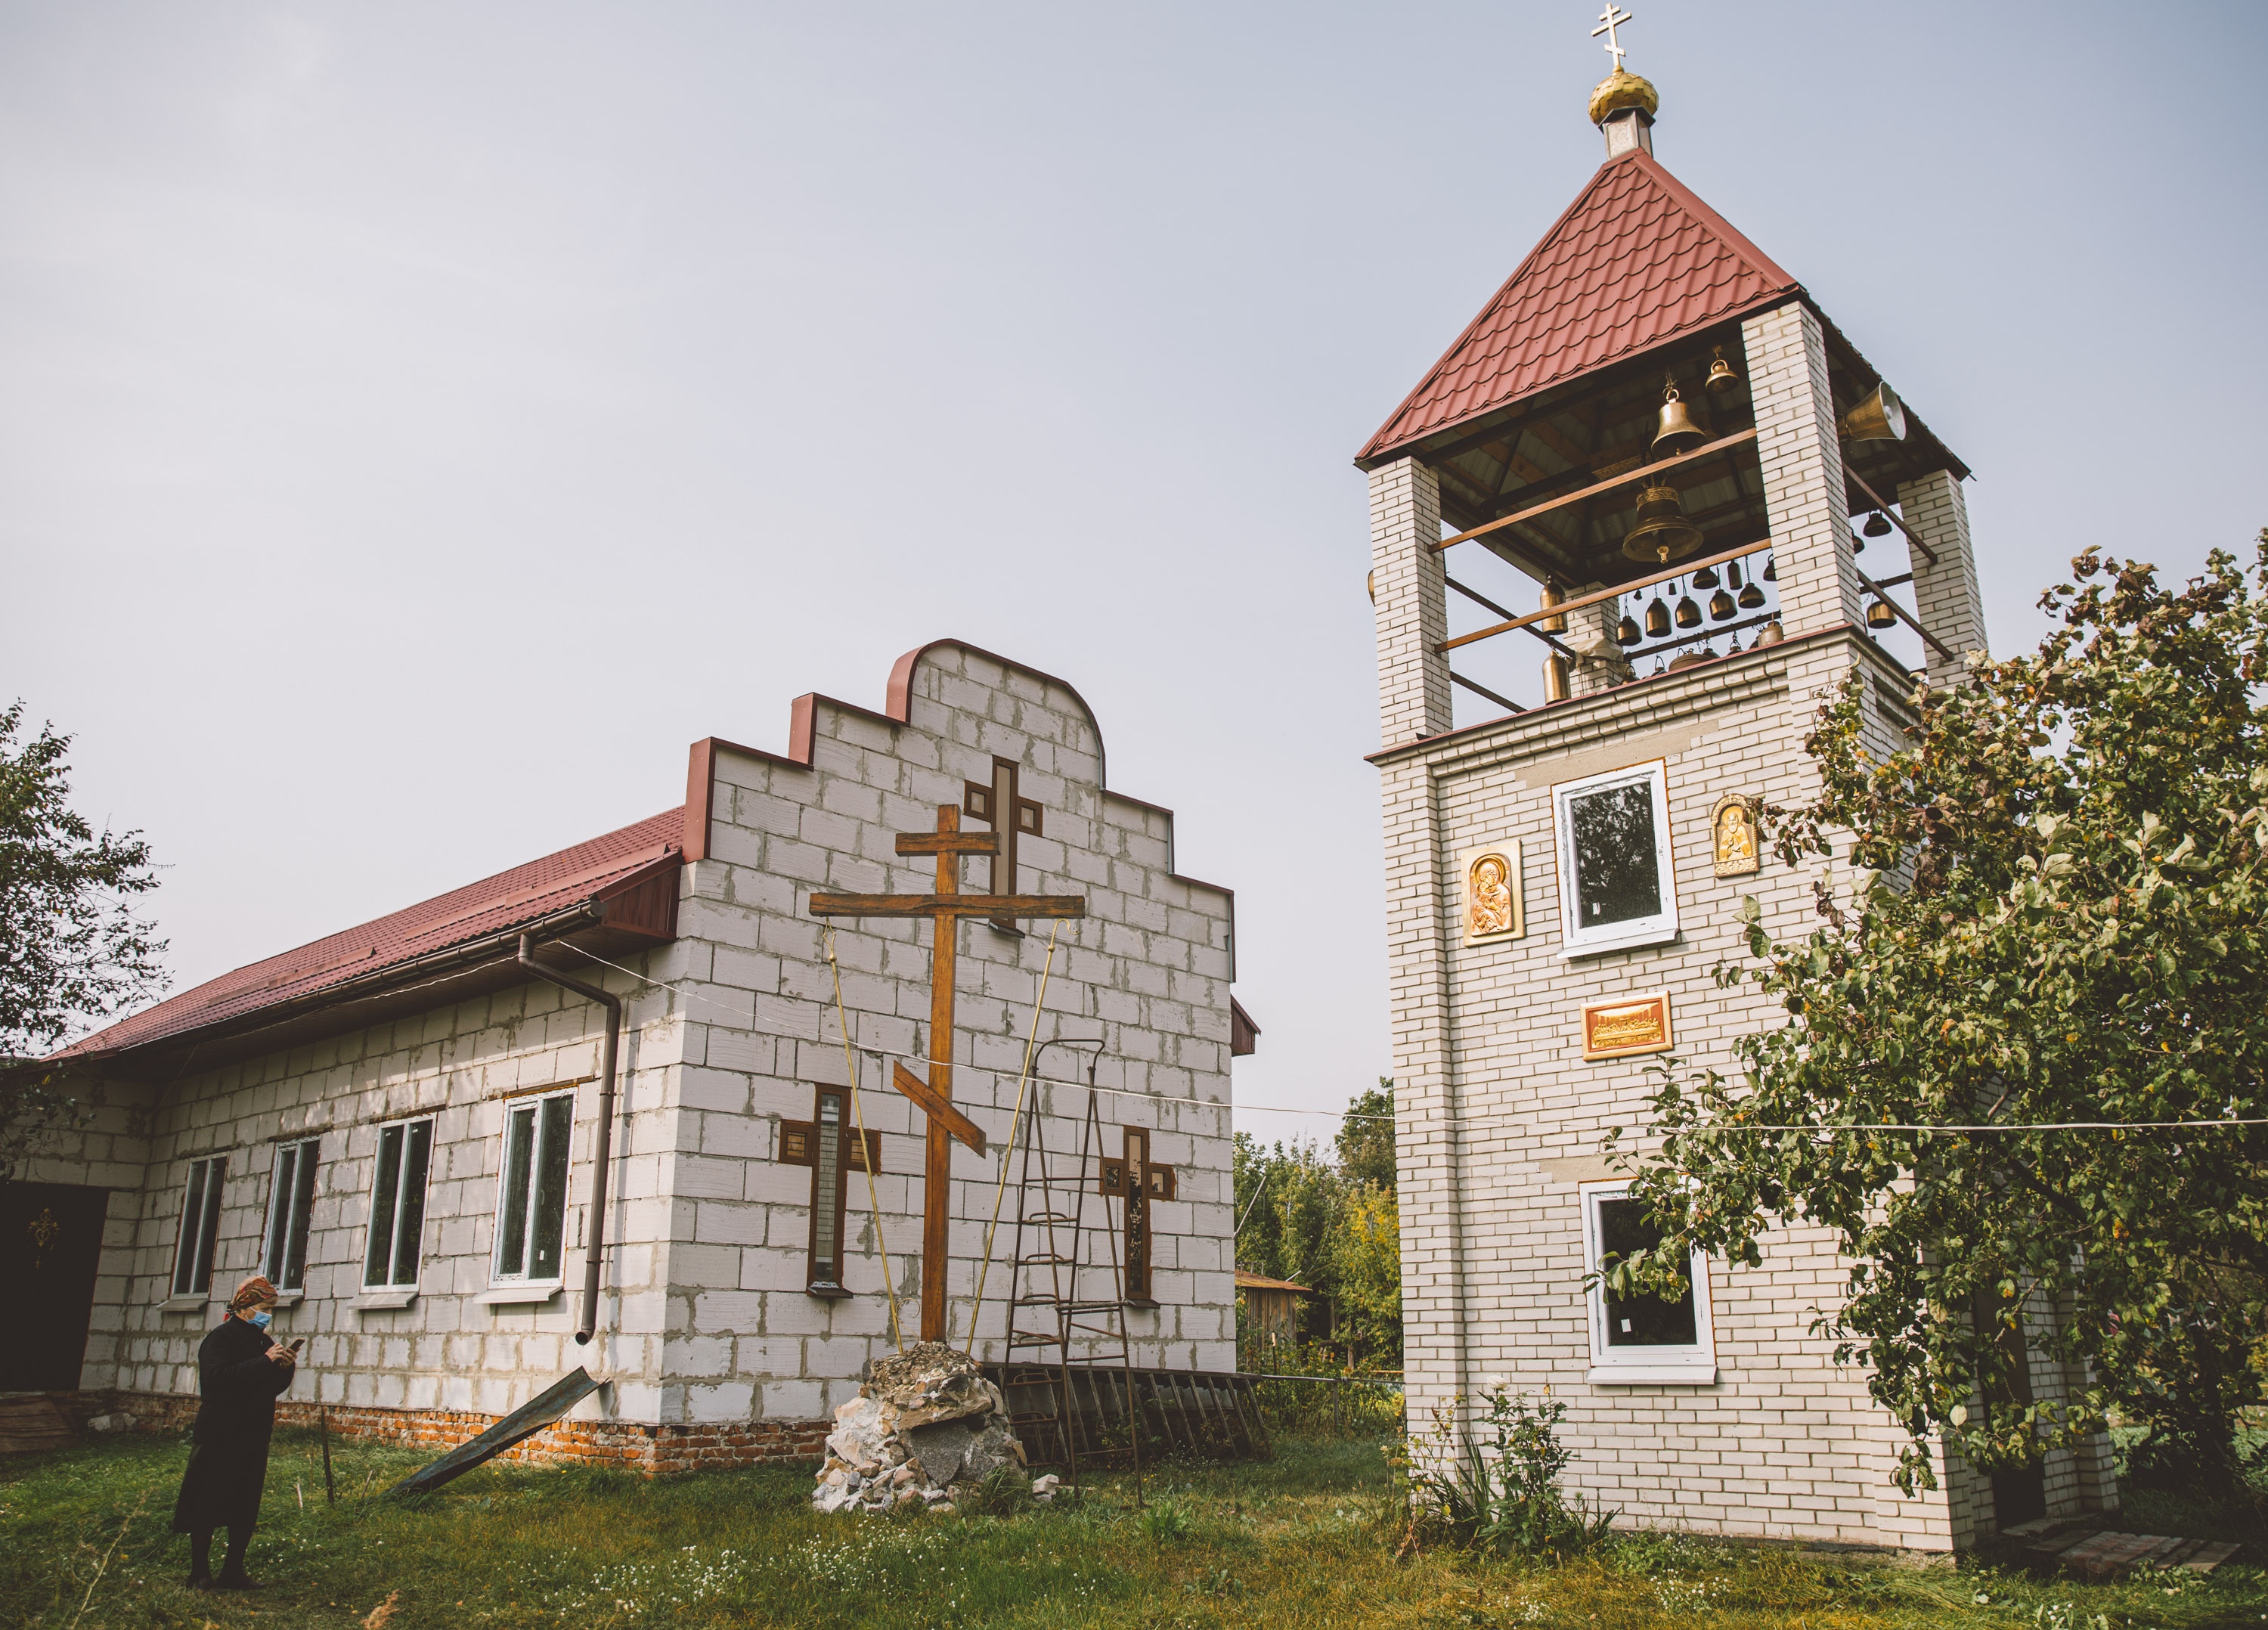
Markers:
(253, 1292)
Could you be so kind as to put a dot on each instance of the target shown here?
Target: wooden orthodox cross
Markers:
(945, 909)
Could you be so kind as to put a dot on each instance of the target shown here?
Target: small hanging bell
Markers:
(1658, 665)
(1733, 646)
(1657, 618)
(1689, 614)
(1721, 377)
(1770, 634)
(1626, 631)
(1878, 524)
(1721, 609)
(1678, 432)
(1752, 598)
(1879, 614)
(1733, 575)
(1706, 578)
(1771, 570)
(1555, 678)
(1549, 597)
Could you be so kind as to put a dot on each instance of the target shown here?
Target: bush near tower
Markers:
(2059, 914)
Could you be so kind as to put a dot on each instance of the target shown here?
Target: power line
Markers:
(1498, 1124)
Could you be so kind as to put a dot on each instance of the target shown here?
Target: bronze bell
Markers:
(1721, 377)
(1688, 615)
(1657, 618)
(1770, 573)
(1706, 578)
(1678, 431)
(1720, 607)
(1555, 678)
(1770, 634)
(1751, 598)
(1551, 597)
(1878, 524)
(1626, 631)
(1879, 614)
(1879, 416)
(1661, 533)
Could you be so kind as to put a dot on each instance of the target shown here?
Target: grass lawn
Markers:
(1305, 1540)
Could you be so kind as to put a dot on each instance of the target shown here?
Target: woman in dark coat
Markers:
(240, 1369)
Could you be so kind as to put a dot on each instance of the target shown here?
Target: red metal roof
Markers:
(1636, 261)
(523, 894)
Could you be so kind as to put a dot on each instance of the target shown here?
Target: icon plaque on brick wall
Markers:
(1735, 835)
(1493, 904)
(1627, 1028)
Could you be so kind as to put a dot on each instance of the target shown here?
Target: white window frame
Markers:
(1664, 1365)
(1658, 929)
(548, 1285)
(389, 1286)
(198, 1242)
(288, 1214)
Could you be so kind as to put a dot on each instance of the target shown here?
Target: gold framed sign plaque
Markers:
(1736, 835)
(1491, 900)
(1626, 1028)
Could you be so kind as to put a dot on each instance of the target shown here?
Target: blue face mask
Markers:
(261, 1319)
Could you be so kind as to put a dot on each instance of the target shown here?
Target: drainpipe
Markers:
(596, 1244)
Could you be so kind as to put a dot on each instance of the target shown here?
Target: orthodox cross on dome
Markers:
(1610, 20)
(945, 909)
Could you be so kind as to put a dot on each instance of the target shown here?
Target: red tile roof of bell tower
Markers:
(1636, 262)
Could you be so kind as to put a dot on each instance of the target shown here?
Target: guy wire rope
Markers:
(858, 1121)
(1015, 1121)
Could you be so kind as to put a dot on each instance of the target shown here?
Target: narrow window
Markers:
(1615, 884)
(532, 1199)
(828, 1145)
(1643, 1337)
(193, 1248)
(290, 1196)
(397, 1203)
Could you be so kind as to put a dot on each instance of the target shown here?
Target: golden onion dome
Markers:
(1620, 90)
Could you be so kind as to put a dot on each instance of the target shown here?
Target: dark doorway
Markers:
(50, 1242)
(2020, 1494)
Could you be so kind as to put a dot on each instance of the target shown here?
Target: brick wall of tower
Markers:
(1802, 464)
(1410, 598)
(1946, 599)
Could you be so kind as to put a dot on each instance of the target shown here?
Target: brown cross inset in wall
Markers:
(945, 909)
(1137, 1179)
(1010, 817)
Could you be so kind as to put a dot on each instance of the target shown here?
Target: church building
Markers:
(598, 1110)
(1718, 510)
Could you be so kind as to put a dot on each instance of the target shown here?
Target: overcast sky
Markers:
(418, 422)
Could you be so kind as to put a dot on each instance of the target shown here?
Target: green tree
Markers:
(1330, 1222)
(72, 953)
(2059, 914)
(1365, 1140)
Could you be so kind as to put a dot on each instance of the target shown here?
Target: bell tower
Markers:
(1654, 468)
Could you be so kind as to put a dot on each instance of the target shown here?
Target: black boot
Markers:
(201, 1560)
(232, 1576)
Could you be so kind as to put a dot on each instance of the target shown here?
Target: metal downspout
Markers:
(595, 1244)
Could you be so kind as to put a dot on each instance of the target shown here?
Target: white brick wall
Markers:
(1802, 463)
(1946, 601)
(704, 1317)
(1410, 598)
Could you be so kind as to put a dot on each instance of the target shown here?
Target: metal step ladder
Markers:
(1066, 1294)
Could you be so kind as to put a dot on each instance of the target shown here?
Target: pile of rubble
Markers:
(926, 1424)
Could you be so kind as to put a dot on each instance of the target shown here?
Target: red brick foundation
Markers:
(631, 1445)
